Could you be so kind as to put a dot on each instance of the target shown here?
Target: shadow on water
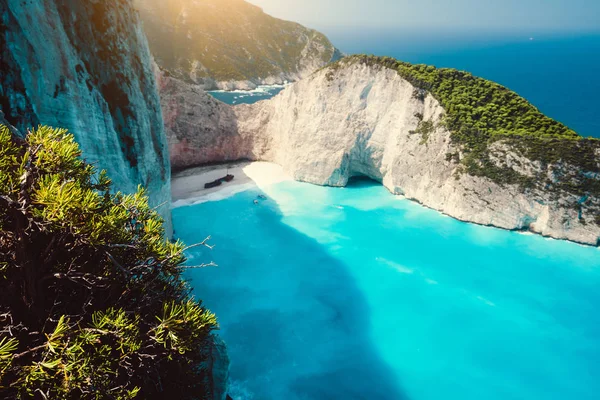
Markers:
(296, 323)
(361, 182)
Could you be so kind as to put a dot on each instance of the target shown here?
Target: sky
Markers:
(494, 15)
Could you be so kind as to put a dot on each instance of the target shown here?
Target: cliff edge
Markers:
(86, 66)
(453, 142)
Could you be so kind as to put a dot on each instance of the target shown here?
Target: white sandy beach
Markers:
(187, 187)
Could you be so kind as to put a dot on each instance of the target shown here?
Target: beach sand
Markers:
(187, 187)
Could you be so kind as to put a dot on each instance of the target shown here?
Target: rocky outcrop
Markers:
(218, 368)
(231, 44)
(365, 120)
(85, 66)
(201, 129)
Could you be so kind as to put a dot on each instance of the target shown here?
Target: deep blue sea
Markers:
(558, 74)
(354, 293)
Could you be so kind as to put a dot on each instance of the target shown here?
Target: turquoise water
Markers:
(353, 293)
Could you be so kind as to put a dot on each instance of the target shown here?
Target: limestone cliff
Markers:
(361, 119)
(201, 129)
(85, 66)
(230, 44)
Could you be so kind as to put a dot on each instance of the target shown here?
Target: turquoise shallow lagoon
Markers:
(353, 293)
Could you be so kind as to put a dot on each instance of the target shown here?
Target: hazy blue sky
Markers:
(522, 15)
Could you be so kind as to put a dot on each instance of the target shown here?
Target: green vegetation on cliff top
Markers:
(480, 112)
(476, 108)
(92, 304)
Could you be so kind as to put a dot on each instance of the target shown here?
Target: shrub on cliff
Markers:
(92, 304)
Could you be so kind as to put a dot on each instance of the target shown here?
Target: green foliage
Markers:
(9, 159)
(75, 360)
(7, 349)
(181, 324)
(92, 303)
(425, 129)
(477, 105)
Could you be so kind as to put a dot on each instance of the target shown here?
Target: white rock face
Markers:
(85, 66)
(361, 121)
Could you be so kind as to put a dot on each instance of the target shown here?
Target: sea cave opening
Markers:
(361, 181)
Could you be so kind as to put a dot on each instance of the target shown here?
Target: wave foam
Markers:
(262, 89)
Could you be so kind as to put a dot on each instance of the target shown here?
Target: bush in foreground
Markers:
(92, 303)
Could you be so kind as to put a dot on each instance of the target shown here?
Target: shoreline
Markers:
(187, 186)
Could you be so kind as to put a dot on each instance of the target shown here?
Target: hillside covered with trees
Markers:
(230, 40)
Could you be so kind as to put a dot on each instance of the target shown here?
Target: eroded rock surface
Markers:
(85, 66)
(201, 129)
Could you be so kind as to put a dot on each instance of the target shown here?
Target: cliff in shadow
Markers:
(85, 66)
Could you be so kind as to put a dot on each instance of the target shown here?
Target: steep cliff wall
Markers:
(201, 129)
(359, 119)
(230, 44)
(86, 66)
